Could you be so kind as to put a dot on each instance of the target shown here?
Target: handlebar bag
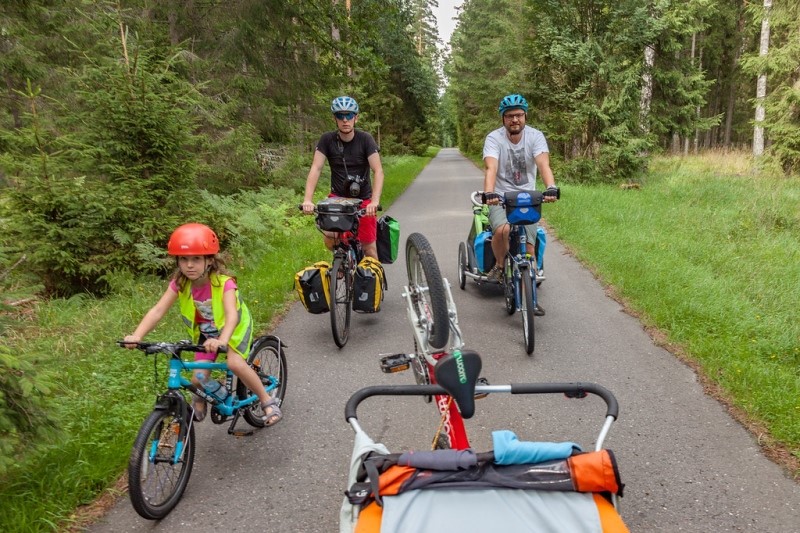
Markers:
(337, 214)
(313, 287)
(523, 207)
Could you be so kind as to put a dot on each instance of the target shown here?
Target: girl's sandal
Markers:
(274, 415)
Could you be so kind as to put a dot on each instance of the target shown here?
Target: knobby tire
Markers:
(157, 486)
(267, 359)
(427, 289)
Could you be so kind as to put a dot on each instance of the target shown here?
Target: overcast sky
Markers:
(444, 16)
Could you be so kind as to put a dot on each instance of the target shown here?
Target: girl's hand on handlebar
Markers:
(132, 339)
(372, 209)
(213, 345)
(307, 207)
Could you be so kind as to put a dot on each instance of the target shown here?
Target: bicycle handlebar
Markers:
(477, 197)
(168, 347)
(361, 212)
(571, 390)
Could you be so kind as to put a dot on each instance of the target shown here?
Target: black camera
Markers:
(354, 185)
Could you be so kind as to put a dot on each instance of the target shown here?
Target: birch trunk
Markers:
(761, 87)
(647, 88)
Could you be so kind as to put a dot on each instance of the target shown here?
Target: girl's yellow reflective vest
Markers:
(242, 335)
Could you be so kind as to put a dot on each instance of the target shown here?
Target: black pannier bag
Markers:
(312, 286)
(368, 286)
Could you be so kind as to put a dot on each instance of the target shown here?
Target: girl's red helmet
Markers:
(193, 239)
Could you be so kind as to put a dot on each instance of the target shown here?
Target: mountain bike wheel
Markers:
(269, 362)
(156, 483)
(427, 289)
(462, 265)
(340, 301)
(508, 286)
(526, 289)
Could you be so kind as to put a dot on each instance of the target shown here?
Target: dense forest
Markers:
(613, 81)
(115, 113)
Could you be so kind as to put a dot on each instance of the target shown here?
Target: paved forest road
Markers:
(687, 465)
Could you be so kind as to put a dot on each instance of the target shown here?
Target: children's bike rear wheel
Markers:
(340, 301)
(427, 290)
(526, 293)
(155, 481)
(269, 362)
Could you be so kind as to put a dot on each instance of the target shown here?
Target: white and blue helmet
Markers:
(513, 101)
(344, 104)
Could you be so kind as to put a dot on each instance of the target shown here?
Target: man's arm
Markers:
(490, 178)
(311, 181)
(543, 164)
(377, 182)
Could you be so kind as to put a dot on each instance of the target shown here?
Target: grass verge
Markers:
(709, 257)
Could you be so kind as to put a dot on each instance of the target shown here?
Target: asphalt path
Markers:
(687, 465)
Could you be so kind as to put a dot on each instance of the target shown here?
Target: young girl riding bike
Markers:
(211, 311)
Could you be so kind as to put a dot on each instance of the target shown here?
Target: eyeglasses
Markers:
(513, 116)
(344, 116)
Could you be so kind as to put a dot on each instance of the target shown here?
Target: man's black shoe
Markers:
(538, 310)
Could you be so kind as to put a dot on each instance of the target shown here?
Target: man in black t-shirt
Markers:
(351, 154)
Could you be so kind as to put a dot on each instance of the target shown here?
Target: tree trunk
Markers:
(733, 80)
(761, 87)
(647, 88)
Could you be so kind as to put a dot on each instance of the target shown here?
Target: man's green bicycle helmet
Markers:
(344, 104)
(513, 101)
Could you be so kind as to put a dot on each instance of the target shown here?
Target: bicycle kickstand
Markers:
(240, 432)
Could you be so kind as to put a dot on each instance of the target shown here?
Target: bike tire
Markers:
(156, 485)
(508, 286)
(341, 295)
(462, 265)
(268, 359)
(526, 289)
(427, 289)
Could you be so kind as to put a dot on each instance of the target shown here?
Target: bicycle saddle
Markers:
(457, 373)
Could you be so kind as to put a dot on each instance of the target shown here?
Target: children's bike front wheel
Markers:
(161, 463)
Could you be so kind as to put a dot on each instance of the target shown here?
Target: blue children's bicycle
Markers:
(163, 453)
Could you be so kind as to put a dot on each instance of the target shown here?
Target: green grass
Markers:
(106, 392)
(713, 260)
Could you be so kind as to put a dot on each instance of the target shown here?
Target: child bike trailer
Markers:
(539, 487)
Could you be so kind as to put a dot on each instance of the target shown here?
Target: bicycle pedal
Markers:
(481, 395)
(397, 362)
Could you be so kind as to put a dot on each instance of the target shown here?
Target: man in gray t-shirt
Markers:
(512, 154)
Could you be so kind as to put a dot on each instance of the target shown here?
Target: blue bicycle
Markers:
(163, 453)
(519, 270)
